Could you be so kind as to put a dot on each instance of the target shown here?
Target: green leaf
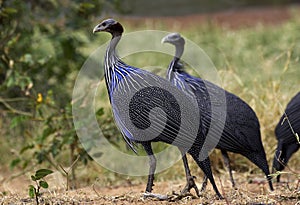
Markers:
(44, 60)
(13, 41)
(31, 191)
(55, 147)
(10, 81)
(47, 131)
(16, 121)
(100, 112)
(27, 147)
(27, 58)
(33, 178)
(25, 163)
(44, 184)
(42, 173)
(15, 162)
(9, 10)
(87, 5)
(41, 156)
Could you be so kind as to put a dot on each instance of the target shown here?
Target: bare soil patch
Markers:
(232, 19)
(256, 192)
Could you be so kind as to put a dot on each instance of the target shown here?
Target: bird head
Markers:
(283, 153)
(174, 38)
(177, 41)
(109, 25)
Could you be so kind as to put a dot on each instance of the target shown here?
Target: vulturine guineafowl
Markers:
(241, 133)
(287, 131)
(149, 91)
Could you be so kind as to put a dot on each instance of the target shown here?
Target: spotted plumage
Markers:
(144, 96)
(286, 131)
(241, 131)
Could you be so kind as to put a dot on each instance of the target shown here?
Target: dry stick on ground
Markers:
(93, 186)
(294, 172)
(290, 171)
(70, 168)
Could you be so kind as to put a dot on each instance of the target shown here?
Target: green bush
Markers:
(41, 51)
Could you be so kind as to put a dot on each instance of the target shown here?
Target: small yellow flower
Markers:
(39, 98)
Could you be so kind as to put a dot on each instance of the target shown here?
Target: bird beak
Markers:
(97, 28)
(165, 40)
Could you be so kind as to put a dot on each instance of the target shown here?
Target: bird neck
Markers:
(178, 51)
(111, 49)
(111, 58)
(172, 68)
(176, 60)
(176, 65)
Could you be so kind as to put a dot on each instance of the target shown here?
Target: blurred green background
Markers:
(43, 45)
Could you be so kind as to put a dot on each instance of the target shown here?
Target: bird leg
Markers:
(270, 182)
(150, 184)
(278, 178)
(152, 165)
(227, 164)
(206, 168)
(190, 182)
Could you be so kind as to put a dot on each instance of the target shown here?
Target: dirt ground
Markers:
(15, 191)
(232, 19)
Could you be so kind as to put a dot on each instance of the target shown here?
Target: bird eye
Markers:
(104, 24)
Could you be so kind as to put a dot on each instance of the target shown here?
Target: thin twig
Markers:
(291, 171)
(18, 99)
(93, 187)
(67, 176)
(290, 125)
(13, 110)
(67, 172)
(75, 161)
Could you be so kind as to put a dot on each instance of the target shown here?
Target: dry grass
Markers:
(132, 194)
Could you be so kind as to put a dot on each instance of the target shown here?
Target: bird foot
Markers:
(190, 185)
(156, 196)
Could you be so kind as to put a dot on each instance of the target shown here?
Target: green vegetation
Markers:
(44, 45)
(38, 178)
(41, 52)
(42, 48)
